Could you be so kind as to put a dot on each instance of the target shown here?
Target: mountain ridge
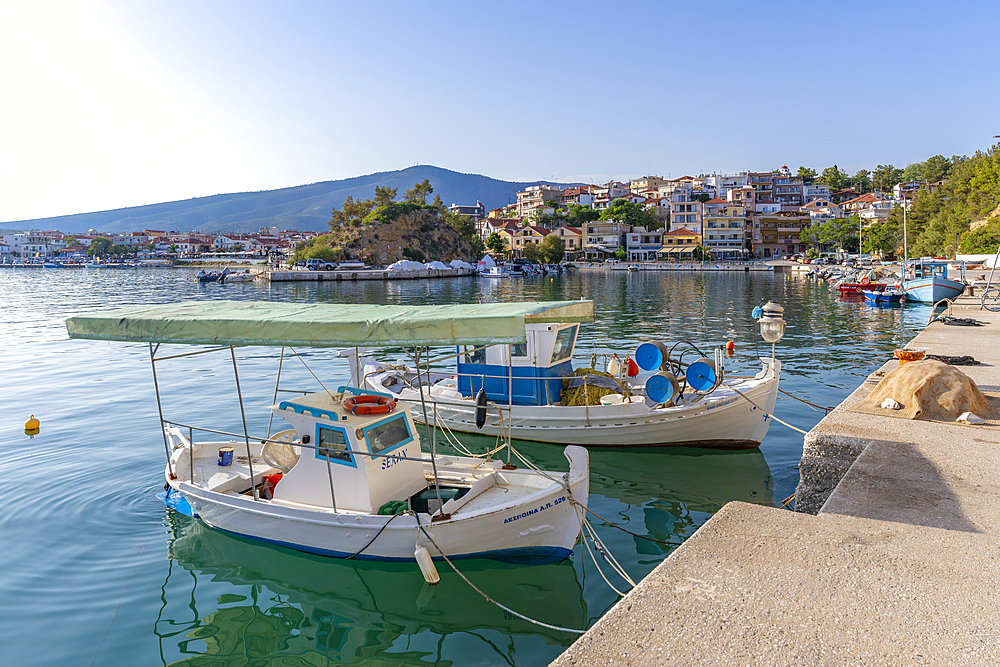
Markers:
(302, 207)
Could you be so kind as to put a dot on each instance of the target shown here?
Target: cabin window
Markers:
(519, 350)
(388, 434)
(332, 442)
(563, 348)
(475, 355)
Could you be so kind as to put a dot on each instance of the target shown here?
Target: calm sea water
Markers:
(95, 571)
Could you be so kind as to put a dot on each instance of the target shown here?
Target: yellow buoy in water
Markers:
(31, 424)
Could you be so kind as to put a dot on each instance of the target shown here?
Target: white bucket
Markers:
(611, 399)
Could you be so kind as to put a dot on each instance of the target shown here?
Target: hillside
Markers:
(303, 207)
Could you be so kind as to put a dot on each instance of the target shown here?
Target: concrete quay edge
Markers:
(900, 565)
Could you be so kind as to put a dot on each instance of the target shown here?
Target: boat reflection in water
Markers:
(294, 608)
(676, 488)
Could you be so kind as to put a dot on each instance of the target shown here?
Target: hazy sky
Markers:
(123, 103)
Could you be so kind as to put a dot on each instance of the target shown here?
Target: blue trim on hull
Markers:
(533, 555)
(932, 290)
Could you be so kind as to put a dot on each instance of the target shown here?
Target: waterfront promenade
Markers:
(899, 566)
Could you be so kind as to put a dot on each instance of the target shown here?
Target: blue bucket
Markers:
(662, 387)
(701, 375)
(225, 456)
(650, 356)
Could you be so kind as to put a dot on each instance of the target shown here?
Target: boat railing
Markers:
(191, 443)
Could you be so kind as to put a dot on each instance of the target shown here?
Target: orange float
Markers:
(369, 405)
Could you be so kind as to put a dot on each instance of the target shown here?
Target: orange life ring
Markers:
(865, 281)
(369, 405)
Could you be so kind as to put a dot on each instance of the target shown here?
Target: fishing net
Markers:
(931, 390)
(586, 386)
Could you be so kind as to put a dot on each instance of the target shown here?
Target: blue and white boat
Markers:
(884, 296)
(519, 390)
(350, 477)
(927, 280)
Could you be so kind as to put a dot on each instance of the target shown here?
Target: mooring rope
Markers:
(766, 413)
(488, 598)
(818, 407)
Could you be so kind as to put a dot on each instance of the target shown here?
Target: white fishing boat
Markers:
(351, 477)
(244, 276)
(531, 391)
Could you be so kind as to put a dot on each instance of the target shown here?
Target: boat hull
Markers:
(932, 290)
(541, 526)
(725, 419)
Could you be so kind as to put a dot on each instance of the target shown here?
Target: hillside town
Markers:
(150, 244)
(742, 216)
(746, 215)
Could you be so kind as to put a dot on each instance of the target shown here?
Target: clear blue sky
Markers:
(122, 103)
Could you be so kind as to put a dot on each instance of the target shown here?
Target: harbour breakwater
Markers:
(276, 276)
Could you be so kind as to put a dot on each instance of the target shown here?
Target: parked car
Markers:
(317, 264)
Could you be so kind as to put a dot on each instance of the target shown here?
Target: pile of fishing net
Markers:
(930, 390)
(586, 386)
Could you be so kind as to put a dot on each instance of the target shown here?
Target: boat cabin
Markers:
(527, 373)
(921, 268)
(352, 481)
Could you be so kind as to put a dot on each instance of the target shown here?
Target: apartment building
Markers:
(762, 183)
(476, 213)
(724, 229)
(581, 195)
(640, 185)
(777, 233)
(679, 244)
(685, 212)
(785, 188)
(642, 245)
(536, 198)
(572, 238)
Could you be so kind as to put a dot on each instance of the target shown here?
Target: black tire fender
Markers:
(480, 409)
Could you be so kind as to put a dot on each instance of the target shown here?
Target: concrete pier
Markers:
(360, 274)
(899, 565)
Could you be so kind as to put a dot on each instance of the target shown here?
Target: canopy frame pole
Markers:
(277, 381)
(427, 424)
(510, 392)
(329, 474)
(243, 414)
(159, 408)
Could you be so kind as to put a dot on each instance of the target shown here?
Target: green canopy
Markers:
(324, 324)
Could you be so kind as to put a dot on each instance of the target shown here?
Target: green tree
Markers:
(352, 213)
(862, 181)
(624, 211)
(419, 192)
(384, 196)
(439, 205)
(834, 178)
(578, 215)
(806, 174)
(885, 177)
(495, 243)
(883, 238)
(172, 249)
(319, 247)
(553, 249)
(100, 247)
(532, 252)
(982, 240)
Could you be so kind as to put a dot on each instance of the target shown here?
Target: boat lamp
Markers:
(772, 324)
